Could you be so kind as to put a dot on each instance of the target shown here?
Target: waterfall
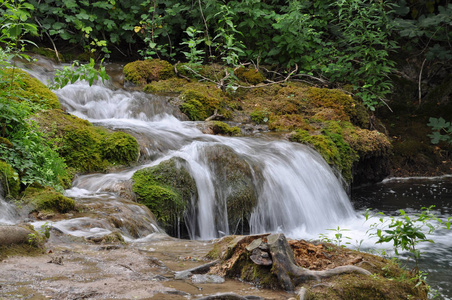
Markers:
(295, 188)
(8, 213)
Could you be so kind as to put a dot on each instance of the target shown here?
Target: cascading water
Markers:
(8, 213)
(294, 187)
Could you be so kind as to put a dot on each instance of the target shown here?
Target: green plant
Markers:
(338, 237)
(406, 232)
(79, 71)
(229, 47)
(195, 56)
(442, 130)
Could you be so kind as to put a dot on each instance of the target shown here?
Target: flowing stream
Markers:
(297, 192)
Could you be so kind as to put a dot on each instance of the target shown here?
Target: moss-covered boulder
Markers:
(167, 190)
(234, 187)
(120, 148)
(87, 148)
(218, 127)
(141, 72)
(24, 86)
(357, 153)
(9, 180)
(47, 199)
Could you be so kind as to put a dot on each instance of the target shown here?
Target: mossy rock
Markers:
(141, 72)
(120, 148)
(235, 187)
(332, 147)
(47, 199)
(24, 86)
(343, 105)
(9, 180)
(167, 190)
(222, 128)
(171, 85)
(86, 148)
(249, 75)
(199, 101)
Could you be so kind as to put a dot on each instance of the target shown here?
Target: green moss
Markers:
(48, 199)
(120, 148)
(260, 117)
(141, 72)
(249, 75)
(166, 189)
(9, 179)
(343, 105)
(332, 146)
(166, 86)
(223, 128)
(200, 101)
(30, 249)
(352, 286)
(26, 87)
(86, 148)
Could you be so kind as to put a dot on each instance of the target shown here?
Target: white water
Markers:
(8, 213)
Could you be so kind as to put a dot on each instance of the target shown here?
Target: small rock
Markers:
(203, 278)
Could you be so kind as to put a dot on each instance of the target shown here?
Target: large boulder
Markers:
(234, 188)
(167, 190)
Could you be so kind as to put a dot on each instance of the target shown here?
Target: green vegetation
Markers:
(407, 232)
(442, 130)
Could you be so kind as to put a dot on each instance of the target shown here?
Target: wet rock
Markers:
(235, 187)
(12, 234)
(206, 278)
(196, 270)
(229, 296)
(166, 189)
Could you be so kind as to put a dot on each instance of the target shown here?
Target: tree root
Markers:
(289, 274)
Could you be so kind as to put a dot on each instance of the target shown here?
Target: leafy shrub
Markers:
(442, 130)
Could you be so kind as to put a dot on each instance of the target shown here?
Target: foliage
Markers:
(407, 232)
(77, 71)
(195, 56)
(427, 25)
(94, 25)
(442, 130)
